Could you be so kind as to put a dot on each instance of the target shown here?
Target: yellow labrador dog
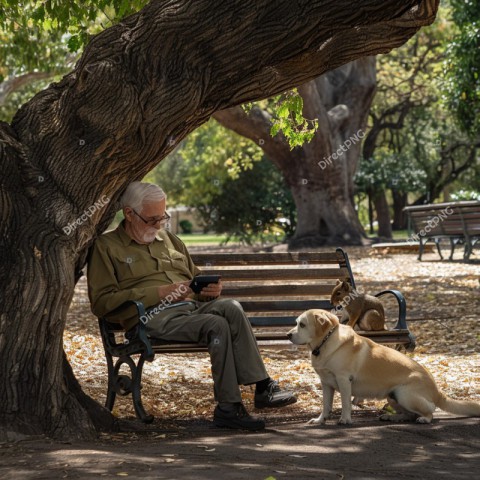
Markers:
(357, 366)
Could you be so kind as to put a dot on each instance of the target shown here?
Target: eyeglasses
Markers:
(153, 221)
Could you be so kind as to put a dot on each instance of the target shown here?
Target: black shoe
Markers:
(235, 416)
(274, 397)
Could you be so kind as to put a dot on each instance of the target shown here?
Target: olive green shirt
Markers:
(120, 269)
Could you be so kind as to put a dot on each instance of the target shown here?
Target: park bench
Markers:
(273, 288)
(459, 222)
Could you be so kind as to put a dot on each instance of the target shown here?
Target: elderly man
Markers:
(142, 261)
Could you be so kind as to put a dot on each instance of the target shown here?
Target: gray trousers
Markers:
(222, 326)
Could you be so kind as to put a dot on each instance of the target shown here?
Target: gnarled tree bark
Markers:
(139, 88)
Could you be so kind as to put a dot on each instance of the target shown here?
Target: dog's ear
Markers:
(332, 318)
(339, 282)
(319, 317)
(346, 285)
(320, 321)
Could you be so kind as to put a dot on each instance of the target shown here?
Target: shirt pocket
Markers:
(177, 262)
(132, 267)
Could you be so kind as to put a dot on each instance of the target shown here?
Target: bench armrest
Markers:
(402, 308)
(136, 335)
(402, 316)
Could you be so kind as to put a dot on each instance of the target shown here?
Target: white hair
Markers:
(138, 194)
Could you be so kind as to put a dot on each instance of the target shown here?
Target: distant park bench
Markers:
(459, 222)
(273, 288)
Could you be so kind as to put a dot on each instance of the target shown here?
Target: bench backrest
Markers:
(446, 219)
(274, 288)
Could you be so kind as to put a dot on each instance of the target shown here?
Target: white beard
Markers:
(149, 235)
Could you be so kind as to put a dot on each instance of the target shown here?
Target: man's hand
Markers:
(212, 290)
(175, 292)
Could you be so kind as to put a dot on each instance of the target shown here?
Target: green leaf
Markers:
(74, 43)
(274, 129)
(283, 111)
(297, 105)
(39, 14)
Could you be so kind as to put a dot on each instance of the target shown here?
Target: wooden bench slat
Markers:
(264, 339)
(274, 320)
(293, 290)
(278, 273)
(283, 305)
(224, 259)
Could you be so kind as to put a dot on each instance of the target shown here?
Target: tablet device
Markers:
(201, 281)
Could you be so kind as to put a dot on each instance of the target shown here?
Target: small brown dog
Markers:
(360, 309)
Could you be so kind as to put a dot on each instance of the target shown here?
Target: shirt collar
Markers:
(126, 239)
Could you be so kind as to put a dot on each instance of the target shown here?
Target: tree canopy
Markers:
(28, 27)
(415, 150)
(462, 66)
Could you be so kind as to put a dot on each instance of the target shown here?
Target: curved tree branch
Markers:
(7, 87)
(256, 126)
(137, 80)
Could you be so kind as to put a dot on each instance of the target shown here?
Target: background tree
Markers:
(462, 66)
(234, 189)
(319, 173)
(409, 122)
(139, 88)
(449, 157)
(257, 205)
(388, 171)
(405, 83)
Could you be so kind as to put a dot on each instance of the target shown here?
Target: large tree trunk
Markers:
(383, 214)
(139, 88)
(400, 219)
(320, 174)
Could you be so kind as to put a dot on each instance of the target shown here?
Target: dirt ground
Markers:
(449, 448)
(443, 300)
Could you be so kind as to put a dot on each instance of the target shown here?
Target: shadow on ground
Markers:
(449, 448)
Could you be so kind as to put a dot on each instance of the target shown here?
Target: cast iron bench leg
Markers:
(125, 385)
(420, 250)
(437, 243)
(452, 248)
(473, 242)
(468, 248)
(136, 392)
(111, 393)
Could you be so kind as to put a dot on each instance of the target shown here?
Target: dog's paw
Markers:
(398, 417)
(317, 421)
(358, 402)
(423, 420)
(344, 421)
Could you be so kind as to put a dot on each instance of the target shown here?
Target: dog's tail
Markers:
(468, 408)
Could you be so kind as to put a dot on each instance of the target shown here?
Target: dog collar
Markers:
(316, 351)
